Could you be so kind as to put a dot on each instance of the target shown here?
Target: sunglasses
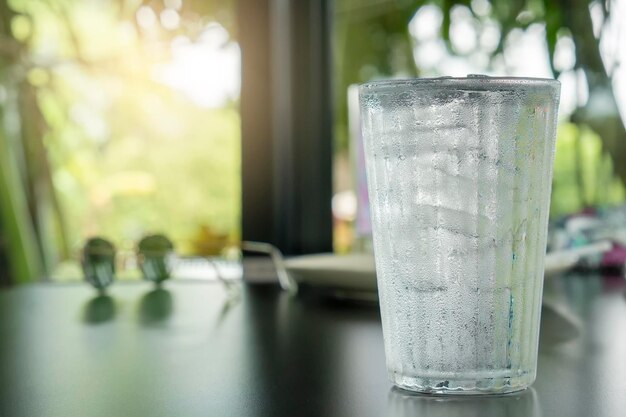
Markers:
(156, 259)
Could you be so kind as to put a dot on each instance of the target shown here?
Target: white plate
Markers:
(348, 272)
(357, 272)
(353, 277)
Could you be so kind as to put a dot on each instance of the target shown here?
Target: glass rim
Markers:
(472, 82)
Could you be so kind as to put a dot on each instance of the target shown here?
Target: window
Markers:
(123, 120)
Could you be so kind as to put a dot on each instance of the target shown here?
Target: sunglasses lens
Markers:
(155, 255)
(98, 262)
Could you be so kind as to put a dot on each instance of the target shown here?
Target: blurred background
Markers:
(128, 117)
(119, 118)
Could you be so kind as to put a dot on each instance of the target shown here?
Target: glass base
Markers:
(475, 386)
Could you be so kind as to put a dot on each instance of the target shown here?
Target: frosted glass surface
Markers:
(459, 175)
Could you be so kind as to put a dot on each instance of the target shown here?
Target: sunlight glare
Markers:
(207, 72)
(173, 4)
(146, 18)
(170, 19)
(426, 23)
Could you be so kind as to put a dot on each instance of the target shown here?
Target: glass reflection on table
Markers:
(402, 403)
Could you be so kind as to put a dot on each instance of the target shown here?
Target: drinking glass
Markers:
(459, 175)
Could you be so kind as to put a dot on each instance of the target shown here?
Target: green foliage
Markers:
(119, 153)
(371, 40)
(583, 174)
(17, 231)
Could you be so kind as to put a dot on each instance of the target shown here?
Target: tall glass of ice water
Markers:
(459, 174)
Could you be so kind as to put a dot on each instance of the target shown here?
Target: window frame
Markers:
(286, 123)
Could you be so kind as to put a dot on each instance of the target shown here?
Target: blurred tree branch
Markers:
(609, 125)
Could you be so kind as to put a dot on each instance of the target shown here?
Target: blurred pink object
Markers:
(615, 257)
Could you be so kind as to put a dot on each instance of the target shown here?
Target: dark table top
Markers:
(185, 351)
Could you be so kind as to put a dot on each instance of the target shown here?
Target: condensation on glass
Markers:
(459, 175)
